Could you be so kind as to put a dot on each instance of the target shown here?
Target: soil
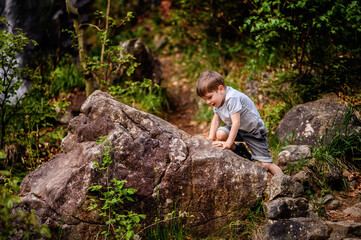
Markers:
(182, 99)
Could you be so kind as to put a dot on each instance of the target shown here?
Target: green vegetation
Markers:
(23, 224)
(120, 223)
(308, 47)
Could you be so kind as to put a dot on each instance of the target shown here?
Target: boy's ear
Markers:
(220, 88)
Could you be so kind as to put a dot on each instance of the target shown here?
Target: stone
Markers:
(308, 122)
(333, 204)
(283, 186)
(150, 67)
(293, 154)
(170, 170)
(354, 211)
(302, 177)
(286, 208)
(344, 230)
(293, 229)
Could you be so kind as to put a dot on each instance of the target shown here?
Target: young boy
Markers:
(241, 116)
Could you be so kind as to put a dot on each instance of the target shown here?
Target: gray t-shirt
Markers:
(235, 101)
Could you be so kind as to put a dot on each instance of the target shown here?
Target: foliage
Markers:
(171, 227)
(99, 68)
(65, 77)
(272, 115)
(18, 222)
(23, 118)
(121, 224)
(317, 40)
(144, 95)
(246, 228)
(11, 75)
(337, 148)
(216, 21)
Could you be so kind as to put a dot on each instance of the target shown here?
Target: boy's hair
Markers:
(208, 82)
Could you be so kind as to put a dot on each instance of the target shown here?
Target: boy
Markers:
(241, 116)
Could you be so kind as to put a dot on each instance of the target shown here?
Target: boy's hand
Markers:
(222, 144)
(208, 138)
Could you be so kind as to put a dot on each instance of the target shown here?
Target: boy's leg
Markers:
(239, 148)
(221, 134)
(258, 144)
(273, 168)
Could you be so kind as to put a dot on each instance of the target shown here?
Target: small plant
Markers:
(171, 227)
(18, 222)
(101, 67)
(120, 223)
(243, 229)
(253, 220)
(66, 76)
(145, 95)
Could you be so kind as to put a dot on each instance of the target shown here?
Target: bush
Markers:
(22, 118)
(317, 40)
(23, 224)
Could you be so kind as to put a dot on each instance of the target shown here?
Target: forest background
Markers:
(304, 48)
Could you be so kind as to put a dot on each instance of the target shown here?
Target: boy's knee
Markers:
(221, 135)
(266, 164)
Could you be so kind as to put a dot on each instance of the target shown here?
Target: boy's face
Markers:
(216, 98)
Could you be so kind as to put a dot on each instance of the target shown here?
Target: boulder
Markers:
(354, 211)
(294, 229)
(286, 208)
(293, 154)
(150, 67)
(282, 185)
(344, 230)
(170, 170)
(307, 123)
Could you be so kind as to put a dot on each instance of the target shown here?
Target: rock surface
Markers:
(293, 154)
(150, 67)
(283, 186)
(307, 122)
(289, 215)
(169, 168)
(344, 230)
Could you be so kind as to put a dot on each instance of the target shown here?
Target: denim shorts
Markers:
(257, 143)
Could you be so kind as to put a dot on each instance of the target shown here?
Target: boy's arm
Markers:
(236, 122)
(216, 121)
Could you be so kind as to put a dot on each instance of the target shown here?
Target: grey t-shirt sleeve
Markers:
(234, 105)
(215, 110)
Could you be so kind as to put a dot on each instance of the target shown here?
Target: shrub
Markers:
(317, 40)
(23, 224)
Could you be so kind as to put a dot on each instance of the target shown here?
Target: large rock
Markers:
(169, 168)
(306, 123)
(150, 67)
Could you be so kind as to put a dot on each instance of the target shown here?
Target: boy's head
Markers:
(211, 87)
(208, 82)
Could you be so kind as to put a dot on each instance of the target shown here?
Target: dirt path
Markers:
(182, 97)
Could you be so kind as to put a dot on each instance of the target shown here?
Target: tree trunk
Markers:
(74, 14)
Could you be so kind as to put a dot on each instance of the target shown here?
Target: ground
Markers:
(183, 99)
